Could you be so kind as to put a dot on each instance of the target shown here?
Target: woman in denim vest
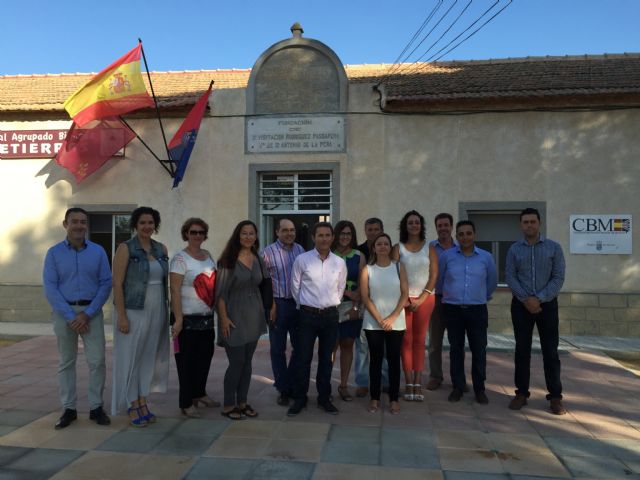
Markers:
(141, 326)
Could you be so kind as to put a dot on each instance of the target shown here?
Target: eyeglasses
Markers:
(197, 232)
(346, 234)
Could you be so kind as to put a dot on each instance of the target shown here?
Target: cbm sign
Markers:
(600, 234)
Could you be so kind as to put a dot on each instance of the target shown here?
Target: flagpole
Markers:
(162, 162)
(155, 101)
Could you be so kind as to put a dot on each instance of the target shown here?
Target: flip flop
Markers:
(248, 411)
(234, 414)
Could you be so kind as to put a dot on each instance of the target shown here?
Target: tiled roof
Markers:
(452, 83)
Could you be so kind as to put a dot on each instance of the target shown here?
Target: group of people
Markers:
(373, 302)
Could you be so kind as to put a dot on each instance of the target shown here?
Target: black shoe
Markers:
(482, 398)
(455, 395)
(328, 407)
(65, 420)
(295, 409)
(98, 416)
(283, 400)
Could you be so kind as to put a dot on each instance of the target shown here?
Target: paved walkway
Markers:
(599, 438)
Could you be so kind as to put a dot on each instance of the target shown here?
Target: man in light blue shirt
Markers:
(535, 271)
(283, 318)
(77, 283)
(469, 279)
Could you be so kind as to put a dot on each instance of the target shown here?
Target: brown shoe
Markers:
(362, 392)
(556, 407)
(433, 384)
(518, 402)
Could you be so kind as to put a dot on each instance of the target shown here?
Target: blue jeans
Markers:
(324, 327)
(474, 321)
(286, 322)
(547, 323)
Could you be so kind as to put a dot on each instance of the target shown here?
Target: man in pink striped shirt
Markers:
(283, 317)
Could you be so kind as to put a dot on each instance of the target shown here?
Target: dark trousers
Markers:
(193, 362)
(286, 321)
(238, 375)
(474, 321)
(378, 340)
(437, 327)
(547, 322)
(324, 327)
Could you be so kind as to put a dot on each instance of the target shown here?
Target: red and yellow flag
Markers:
(116, 90)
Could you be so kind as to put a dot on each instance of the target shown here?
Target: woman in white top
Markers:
(421, 262)
(192, 280)
(383, 291)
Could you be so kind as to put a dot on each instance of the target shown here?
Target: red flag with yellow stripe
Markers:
(116, 90)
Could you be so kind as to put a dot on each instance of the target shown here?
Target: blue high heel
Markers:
(149, 417)
(139, 421)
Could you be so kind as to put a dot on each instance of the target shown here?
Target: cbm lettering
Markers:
(592, 225)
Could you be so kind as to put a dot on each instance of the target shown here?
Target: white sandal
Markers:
(409, 397)
(417, 397)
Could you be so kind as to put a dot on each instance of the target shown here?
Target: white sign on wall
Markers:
(600, 234)
(304, 134)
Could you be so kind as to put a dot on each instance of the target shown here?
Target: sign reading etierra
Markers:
(600, 234)
(30, 143)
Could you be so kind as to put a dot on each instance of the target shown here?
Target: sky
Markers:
(67, 36)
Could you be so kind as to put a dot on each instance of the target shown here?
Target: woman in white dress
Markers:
(383, 290)
(141, 323)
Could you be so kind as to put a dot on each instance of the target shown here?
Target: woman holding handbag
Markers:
(241, 314)
(192, 281)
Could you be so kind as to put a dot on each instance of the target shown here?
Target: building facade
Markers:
(302, 136)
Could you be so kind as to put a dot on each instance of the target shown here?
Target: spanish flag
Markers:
(116, 90)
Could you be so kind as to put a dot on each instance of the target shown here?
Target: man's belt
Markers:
(80, 303)
(319, 311)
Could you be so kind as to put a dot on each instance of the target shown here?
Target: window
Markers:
(498, 227)
(303, 197)
(109, 230)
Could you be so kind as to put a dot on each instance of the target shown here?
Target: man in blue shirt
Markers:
(77, 283)
(283, 317)
(437, 326)
(535, 271)
(469, 278)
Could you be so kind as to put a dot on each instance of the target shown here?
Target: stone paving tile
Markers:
(132, 441)
(467, 439)
(201, 426)
(533, 464)
(365, 453)
(269, 470)
(578, 447)
(77, 439)
(18, 418)
(298, 450)
(477, 476)
(125, 466)
(302, 431)
(625, 449)
(465, 460)
(44, 461)
(251, 428)
(413, 456)
(222, 469)
(341, 433)
(238, 447)
(184, 444)
(518, 443)
(596, 467)
(328, 471)
(507, 426)
(9, 454)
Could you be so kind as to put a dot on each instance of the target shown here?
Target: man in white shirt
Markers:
(318, 279)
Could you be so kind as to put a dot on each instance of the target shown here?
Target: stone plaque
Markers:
(297, 80)
(295, 134)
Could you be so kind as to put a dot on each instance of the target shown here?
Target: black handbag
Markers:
(266, 289)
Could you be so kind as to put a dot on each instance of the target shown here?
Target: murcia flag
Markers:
(116, 90)
(183, 141)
